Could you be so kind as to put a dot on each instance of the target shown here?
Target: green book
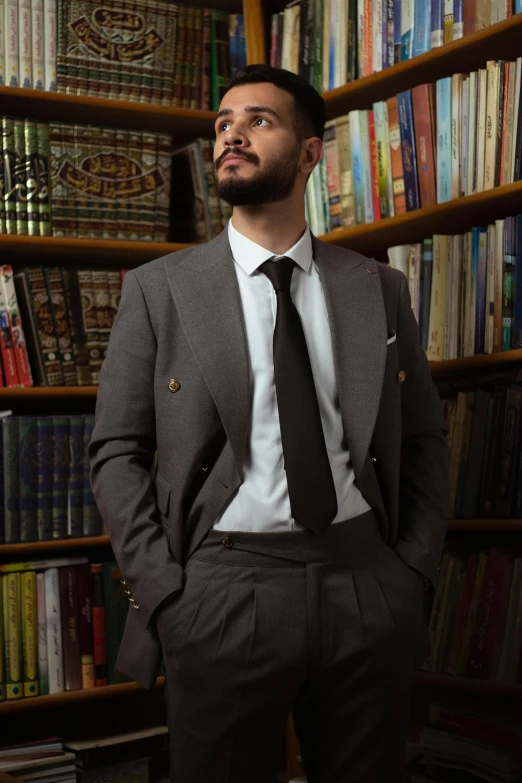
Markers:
(60, 475)
(8, 154)
(31, 178)
(12, 635)
(20, 178)
(75, 481)
(44, 467)
(317, 46)
(220, 56)
(44, 190)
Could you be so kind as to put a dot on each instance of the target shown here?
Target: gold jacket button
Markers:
(174, 385)
(401, 376)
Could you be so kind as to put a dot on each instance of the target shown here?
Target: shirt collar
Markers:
(249, 255)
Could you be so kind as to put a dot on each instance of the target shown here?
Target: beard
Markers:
(273, 184)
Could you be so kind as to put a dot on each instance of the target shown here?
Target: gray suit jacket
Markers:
(180, 317)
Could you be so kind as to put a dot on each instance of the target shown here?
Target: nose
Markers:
(234, 137)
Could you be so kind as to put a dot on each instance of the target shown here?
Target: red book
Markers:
(374, 167)
(424, 122)
(17, 333)
(399, 192)
(487, 621)
(470, 16)
(98, 626)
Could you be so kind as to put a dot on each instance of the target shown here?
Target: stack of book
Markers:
(131, 50)
(42, 762)
(472, 745)
(332, 42)
(466, 290)
(45, 489)
(474, 626)
(426, 146)
(84, 181)
(55, 324)
(63, 620)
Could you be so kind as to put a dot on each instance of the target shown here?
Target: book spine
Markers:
(374, 167)
(516, 341)
(25, 44)
(54, 282)
(8, 152)
(472, 613)
(12, 60)
(423, 122)
(470, 16)
(48, 343)
(509, 116)
(177, 78)
(196, 75)
(31, 178)
(345, 171)
(43, 195)
(399, 193)
(382, 147)
(438, 298)
(2, 84)
(98, 626)
(7, 350)
(28, 477)
(37, 43)
(220, 57)
(510, 439)
(90, 323)
(92, 523)
(501, 117)
(20, 180)
(493, 85)
(170, 51)
(54, 631)
(50, 39)
(480, 255)
(29, 633)
(357, 166)
(101, 306)
(458, 19)
(11, 483)
(163, 185)
(448, 21)
(60, 475)
(13, 636)
(206, 61)
(421, 27)
(2, 162)
(366, 154)
(456, 88)
(187, 59)
(480, 154)
(444, 87)
(508, 286)
(85, 601)
(332, 166)
(74, 313)
(68, 579)
(407, 26)
(408, 150)
(462, 613)
(43, 666)
(75, 478)
(44, 501)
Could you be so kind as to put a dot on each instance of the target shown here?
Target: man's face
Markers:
(257, 152)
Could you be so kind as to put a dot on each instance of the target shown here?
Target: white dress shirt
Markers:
(261, 503)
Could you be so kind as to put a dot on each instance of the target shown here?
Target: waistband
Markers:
(339, 543)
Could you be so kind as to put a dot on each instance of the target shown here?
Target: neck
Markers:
(276, 227)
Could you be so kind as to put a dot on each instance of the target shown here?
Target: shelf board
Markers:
(499, 41)
(48, 392)
(44, 106)
(67, 250)
(445, 681)
(484, 525)
(481, 362)
(73, 697)
(453, 217)
(56, 544)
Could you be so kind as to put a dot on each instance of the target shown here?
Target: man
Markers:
(283, 555)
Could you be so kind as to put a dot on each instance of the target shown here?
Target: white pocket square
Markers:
(391, 339)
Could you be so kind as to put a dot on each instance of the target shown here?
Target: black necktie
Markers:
(313, 500)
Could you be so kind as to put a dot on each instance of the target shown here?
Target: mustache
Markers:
(240, 154)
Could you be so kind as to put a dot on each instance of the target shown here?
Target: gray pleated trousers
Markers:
(329, 627)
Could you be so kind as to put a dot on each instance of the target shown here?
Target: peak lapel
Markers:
(206, 292)
(357, 319)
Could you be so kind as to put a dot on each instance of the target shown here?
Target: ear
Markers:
(311, 154)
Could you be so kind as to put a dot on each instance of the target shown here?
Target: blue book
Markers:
(60, 475)
(357, 167)
(508, 283)
(44, 467)
(409, 160)
(479, 250)
(444, 90)
(331, 46)
(233, 52)
(458, 19)
(92, 524)
(427, 268)
(28, 476)
(75, 483)
(518, 6)
(407, 24)
(10, 474)
(437, 23)
(516, 341)
(422, 27)
(396, 31)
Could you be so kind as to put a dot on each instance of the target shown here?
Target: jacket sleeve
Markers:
(121, 453)
(424, 469)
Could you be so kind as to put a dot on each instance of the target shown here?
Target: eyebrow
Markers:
(250, 110)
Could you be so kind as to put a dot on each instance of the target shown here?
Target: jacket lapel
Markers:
(357, 319)
(206, 292)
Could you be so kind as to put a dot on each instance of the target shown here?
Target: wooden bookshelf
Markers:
(467, 684)
(48, 392)
(500, 40)
(30, 547)
(479, 363)
(69, 698)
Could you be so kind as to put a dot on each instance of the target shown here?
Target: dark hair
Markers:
(309, 105)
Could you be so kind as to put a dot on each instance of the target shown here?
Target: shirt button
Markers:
(401, 376)
(227, 541)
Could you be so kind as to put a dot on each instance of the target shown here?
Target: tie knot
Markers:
(279, 272)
